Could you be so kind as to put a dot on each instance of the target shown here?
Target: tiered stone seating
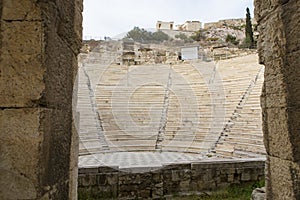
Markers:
(189, 117)
(91, 66)
(237, 75)
(130, 101)
(217, 95)
(245, 138)
(90, 134)
(176, 108)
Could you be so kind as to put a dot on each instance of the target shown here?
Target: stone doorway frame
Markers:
(40, 41)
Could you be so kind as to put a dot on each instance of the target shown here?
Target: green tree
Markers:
(183, 37)
(137, 34)
(160, 36)
(198, 35)
(143, 36)
(249, 40)
(232, 39)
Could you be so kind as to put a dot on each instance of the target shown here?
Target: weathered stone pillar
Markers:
(279, 51)
(39, 43)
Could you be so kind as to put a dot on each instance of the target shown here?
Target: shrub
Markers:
(198, 35)
(213, 39)
(184, 37)
(232, 39)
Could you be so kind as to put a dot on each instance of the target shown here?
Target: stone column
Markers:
(39, 43)
(279, 51)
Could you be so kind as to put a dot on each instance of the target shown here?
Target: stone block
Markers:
(279, 141)
(21, 67)
(177, 166)
(259, 194)
(111, 169)
(246, 176)
(227, 170)
(176, 175)
(264, 7)
(157, 177)
(57, 128)
(273, 71)
(230, 178)
(291, 21)
(184, 185)
(78, 18)
(17, 10)
(73, 169)
(21, 139)
(66, 28)
(60, 72)
(284, 176)
(101, 179)
(91, 170)
(16, 186)
(292, 74)
(276, 100)
(294, 127)
(144, 193)
(275, 81)
(113, 179)
(271, 34)
(87, 180)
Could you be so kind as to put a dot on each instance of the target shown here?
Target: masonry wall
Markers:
(279, 50)
(40, 41)
(164, 25)
(105, 182)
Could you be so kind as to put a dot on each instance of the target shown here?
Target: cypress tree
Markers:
(249, 41)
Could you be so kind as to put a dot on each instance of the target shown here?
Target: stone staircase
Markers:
(189, 114)
(242, 134)
(91, 135)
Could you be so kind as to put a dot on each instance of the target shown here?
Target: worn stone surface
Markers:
(284, 176)
(279, 50)
(278, 141)
(38, 63)
(19, 152)
(21, 10)
(21, 63)
(259, 194)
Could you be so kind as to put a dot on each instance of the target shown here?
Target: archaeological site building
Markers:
(190, 26)
(160, 25)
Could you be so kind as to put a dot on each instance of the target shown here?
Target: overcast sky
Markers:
(112, 17)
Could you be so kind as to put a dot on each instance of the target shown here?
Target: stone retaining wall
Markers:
(105, 182)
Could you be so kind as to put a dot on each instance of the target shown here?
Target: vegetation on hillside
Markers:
(183, 37)
(232, 39)
(144, 36)
(198, 35)
(229, 35)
